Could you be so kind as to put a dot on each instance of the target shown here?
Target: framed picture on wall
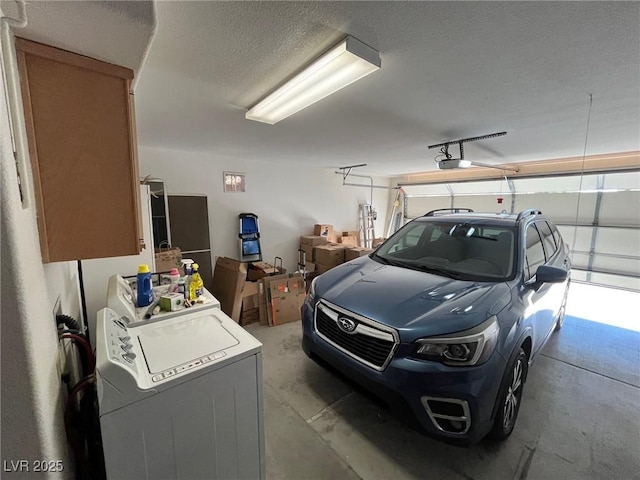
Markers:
(233, 182)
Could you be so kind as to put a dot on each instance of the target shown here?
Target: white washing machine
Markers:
(120, 298)
(180, 398)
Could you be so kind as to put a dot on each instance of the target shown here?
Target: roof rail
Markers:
(436, 212)
(527, 213)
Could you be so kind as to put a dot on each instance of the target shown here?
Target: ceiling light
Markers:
(343, 64)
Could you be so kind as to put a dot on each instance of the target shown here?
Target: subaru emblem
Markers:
(346, 325)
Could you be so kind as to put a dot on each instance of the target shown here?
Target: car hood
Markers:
(415, 303)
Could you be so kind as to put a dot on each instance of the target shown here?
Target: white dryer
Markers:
(181, 398)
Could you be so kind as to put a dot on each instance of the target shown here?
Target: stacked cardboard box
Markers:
(324, 230)
(328, 256)
(307, 242)
(349, 240)
(351, 253)
(353, 237)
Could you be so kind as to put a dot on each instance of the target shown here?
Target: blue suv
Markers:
(443, 320)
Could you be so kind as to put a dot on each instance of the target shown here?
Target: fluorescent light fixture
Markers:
(449, 164)
(346, 62)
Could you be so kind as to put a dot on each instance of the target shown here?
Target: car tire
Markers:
(563, 309)
(510, 397)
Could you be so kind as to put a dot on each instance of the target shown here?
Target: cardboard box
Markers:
(320, 269)
(229, 276)
(351, 253)
(287, 295)
(284, 297)
(350, 233)
(248, 316)
(307, 242)
(377, 241)
(262, 303)
(249, 296)
(268, 312)
(264, 266)
(349, 240)
(258, 270)
(329, 254)
(312, 240)
(324, 230)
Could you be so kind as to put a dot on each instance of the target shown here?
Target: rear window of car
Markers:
(547, 239)
(556, 234)
(535, 251)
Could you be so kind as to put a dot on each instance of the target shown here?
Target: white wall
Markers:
(288, 200)
(32, 397)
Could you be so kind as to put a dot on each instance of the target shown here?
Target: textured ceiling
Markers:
(449, 70)
(113, 31)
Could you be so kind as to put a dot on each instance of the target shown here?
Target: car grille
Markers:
(369, 349)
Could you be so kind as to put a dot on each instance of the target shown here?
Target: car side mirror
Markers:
(550, 274)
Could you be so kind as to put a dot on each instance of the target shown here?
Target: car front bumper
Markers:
(454, 404)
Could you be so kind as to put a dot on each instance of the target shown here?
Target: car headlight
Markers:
(472, 347)
(311, 294)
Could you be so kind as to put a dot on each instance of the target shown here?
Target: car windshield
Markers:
(465, 251)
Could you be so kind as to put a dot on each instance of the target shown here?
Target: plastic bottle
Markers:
(187, 279)
(145, 290)
(174, 277)
(182, 288)
(197, 285)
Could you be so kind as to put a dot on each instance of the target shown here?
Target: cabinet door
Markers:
(79, 120)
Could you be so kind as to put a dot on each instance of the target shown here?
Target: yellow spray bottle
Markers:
(197, 285)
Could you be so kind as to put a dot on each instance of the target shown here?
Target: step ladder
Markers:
(397, 214)
(367, 232)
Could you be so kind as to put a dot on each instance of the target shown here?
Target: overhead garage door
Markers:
(598, 216)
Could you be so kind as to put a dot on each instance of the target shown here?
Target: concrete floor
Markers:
(580, 417)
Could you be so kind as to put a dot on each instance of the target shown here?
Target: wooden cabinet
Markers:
(81, 133)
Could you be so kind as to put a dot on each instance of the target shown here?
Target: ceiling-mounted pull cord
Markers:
(584, 154)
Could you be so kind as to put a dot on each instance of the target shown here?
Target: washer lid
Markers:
(173, 342)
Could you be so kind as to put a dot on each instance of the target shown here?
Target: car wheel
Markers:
(563, 308)
(510, 397)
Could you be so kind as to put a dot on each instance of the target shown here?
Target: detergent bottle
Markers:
(174, 278)
(145, 289)
(197, 285)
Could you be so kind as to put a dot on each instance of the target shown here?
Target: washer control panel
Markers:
(187, 366)
(120, 347)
